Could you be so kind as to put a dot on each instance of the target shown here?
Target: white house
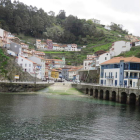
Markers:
(87, 63)
(137, 43)
(40, 61)
(11, 53)
(26, 64)
(102, 58)
(74, 47)
(120, 71)
(55, 47)
(96, 21)
(25, 46)
(119, 47)
(38, 43)
(69, 47)
(73, 73)
(107, 27)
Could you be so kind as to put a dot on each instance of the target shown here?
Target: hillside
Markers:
(9, 68)
(36, 23)
(20, 19)
(134, 51)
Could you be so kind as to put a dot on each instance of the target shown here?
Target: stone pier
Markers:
(116, 94)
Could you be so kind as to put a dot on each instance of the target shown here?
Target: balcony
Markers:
(131, 77)
(110, 77)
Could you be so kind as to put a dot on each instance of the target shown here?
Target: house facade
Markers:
(15, 47)
(137, 43)
(107, 27)
(120, 71)
(65, 73)
(49, 44)
(40, 61)
(73, 73)
(102, 58)
(119, 47)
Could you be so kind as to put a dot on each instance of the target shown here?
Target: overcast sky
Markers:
(125, 12)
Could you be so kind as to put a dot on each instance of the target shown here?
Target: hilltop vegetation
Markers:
(19, 18)
(29, 23)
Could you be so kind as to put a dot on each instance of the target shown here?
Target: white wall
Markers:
(109, 81)
(1, 32)
(41, 62)
(11, 52)
(102, 58)
(25, 64)
(107, 27)
(119, 47)
(86, 64)
(137, 43)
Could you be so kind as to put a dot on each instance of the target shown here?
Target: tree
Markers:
(62, 14)
(18, 24)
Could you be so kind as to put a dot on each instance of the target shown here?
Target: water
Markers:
(66, 117)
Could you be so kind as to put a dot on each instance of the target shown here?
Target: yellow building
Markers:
(54, 73)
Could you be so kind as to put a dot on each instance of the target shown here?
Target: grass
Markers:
(134, 51)
(102, 47)
(53, 52)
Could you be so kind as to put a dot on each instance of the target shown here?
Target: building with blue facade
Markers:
(120, 71)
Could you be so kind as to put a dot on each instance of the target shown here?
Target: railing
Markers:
(110, 77)
(29, 82)
(136, 77)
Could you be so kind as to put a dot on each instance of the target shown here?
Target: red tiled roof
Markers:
(125, 59)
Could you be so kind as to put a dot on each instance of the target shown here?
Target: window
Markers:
(105, 58)
(116, 74)
(29, 65)
(105, 74)
(123, 46)
(25, 65)
(21, 59)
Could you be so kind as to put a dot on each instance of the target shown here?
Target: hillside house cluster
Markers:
(49, 45)
(31, 61)
(71, 72)
(93, 61)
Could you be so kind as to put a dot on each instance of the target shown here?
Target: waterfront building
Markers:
(65, 72)
(120, 71)
(29, 66)
(73, 73)
(40, 61)
(54, 73)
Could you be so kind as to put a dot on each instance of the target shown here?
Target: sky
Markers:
(125, 12)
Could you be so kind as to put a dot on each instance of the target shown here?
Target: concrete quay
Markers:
(116, 94)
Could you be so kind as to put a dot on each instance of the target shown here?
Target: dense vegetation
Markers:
(19, 18)
(134, 51)
(3, 63)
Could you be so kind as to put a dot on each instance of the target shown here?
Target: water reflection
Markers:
(48, 117)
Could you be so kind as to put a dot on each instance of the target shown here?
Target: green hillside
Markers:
(36, 23)
(134, 51)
